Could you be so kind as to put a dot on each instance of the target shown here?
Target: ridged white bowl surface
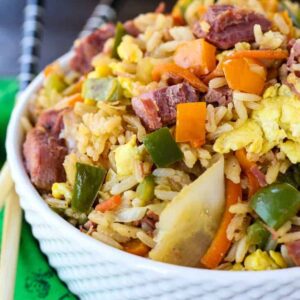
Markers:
(93, 270)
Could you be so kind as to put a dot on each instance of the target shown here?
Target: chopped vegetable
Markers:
(217, 72)
(69, 101)
(145, 190)
(173, 69)
(291, 176)
(136, 247)
(261, 54)
(102, 89)
(198, 56)
(245, 75)
(247, 166)
(54, 82)
(258, 235)
(244, 162)
(220, 244)
(120, 32)
(276, 204)
(74, 88)
(253, 184)
(87, 184)
(190, 123)
(190, 221)
(163, 149)
(109, 204)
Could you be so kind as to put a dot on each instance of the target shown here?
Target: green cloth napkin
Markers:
(35, 278)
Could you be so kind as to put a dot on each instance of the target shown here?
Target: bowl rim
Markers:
(20, 176)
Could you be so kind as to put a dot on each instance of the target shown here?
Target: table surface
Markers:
(63, 20)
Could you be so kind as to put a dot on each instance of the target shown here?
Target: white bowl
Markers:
(93, 270)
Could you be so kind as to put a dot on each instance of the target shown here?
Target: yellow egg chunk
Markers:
(269, 119)
(262, 260)
(129, 51)
(127, 85)
(125, 157)
(275, 124)
(291, 150)
(249, 135)
(189, 223)
(61, 191)
(290, 120)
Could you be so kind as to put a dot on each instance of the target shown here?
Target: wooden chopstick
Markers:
(6, 184)
(10, 246)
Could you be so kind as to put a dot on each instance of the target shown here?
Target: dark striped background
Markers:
(63, 20)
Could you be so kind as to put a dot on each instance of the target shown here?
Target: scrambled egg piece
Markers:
(129, 50)
(249, 135)
(291, 150)
(262, 260)
(269, 119)
(61, 191)
(276, 123)
(102, 68)
(125, 157)
(128, 86)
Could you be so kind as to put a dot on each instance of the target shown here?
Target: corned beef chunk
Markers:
(230, 25)
(89, 47)
(158, 108)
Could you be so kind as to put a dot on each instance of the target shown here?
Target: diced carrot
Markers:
(136, 247)
(244, 162)
(190, 123)
(69, 101)
(110, 204)
(245, 75)
(220, 244)
(253, 184)
(198, 56)
(217, 72)
(247, 166)
(74, 88)
(171, 68)
(261, 54)
(177, 17)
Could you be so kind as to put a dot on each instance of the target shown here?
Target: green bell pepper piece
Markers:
(120, 32)
(276, 204)
(102, 89)
(87, 184)
(54, 82)
(145, 190)
(291, 176)
(258, 234)
(162, 148)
